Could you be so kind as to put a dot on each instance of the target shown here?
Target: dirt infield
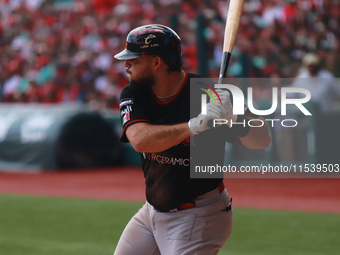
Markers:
(127, 184)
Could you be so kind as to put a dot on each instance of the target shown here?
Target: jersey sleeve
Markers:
(131, 110)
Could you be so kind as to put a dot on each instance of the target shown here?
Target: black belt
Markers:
(192, 204)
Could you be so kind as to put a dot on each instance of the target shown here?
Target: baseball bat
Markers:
(230, 33)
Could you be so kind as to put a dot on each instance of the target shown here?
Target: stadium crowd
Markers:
(55, 51)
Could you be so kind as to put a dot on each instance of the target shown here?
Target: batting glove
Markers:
(226, 103)
(201, 122)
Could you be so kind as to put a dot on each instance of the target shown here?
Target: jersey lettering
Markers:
(167, 160)
(126, 102)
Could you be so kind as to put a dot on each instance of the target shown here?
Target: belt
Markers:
(221, 187)
(192, 204)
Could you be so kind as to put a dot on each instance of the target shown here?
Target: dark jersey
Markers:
(167, 173)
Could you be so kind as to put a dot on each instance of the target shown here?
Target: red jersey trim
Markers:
(175, 96)
(133, 122)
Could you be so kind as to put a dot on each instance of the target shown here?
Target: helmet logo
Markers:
(148, 39)
(147, 42)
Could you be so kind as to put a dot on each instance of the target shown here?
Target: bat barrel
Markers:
(233, 22)
(230, 33)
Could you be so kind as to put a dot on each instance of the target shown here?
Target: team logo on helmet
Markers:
(148, 39)
(147, 42)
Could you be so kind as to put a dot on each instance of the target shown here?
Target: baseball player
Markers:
(181, 215)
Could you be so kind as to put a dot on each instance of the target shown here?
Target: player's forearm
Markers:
(258, 137)
(146, 137)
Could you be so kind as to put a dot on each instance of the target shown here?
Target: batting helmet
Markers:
(153, 40)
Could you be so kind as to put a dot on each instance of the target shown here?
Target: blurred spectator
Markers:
(273, 11)
(324, 88)
(55, 51)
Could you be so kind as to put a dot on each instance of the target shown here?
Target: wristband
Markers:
(239, 129)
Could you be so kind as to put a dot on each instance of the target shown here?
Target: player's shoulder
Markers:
(127, 89)
(193, 79)
(193, 75)
(197, 81)
(127, 96)
(189, 78)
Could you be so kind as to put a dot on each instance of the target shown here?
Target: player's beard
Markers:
(143, 85)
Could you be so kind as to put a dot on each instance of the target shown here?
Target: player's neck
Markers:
(168, 86)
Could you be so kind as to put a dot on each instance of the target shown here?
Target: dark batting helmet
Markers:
(153, 40)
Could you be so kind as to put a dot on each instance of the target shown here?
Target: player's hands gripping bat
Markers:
(230, 33)
(227, 106)
(200, 123)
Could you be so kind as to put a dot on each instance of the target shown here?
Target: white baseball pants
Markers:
(200, 230)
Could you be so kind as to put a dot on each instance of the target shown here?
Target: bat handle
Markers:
(224, 66)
